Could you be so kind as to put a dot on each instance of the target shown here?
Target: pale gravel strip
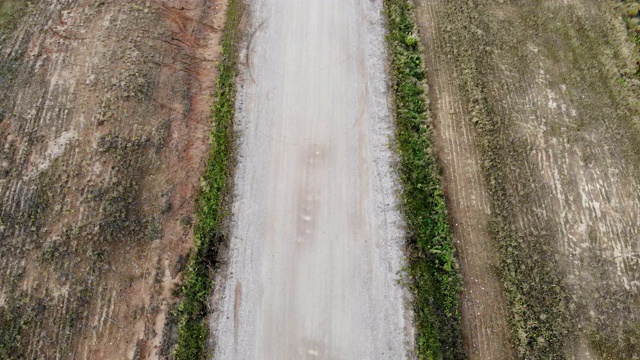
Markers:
(317, 237)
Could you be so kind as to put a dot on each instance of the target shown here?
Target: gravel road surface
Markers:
(317, 238)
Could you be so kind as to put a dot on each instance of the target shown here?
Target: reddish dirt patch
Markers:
(104, 130)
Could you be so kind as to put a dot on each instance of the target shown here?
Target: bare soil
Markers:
(104, 126)
(547, 92)
(483, 302)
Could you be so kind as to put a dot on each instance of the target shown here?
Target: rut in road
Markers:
(317, 237)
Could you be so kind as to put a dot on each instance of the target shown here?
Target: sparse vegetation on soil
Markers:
(435, 278)
(105, 120)
(213, 202)
(551, 91)
(10, 13)
(102, 127)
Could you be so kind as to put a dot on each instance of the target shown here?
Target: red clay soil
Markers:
(104, 126)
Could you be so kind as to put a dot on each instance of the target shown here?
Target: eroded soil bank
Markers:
(317, 241)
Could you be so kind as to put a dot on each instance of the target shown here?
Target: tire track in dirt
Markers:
(483, 303)
(103, 126)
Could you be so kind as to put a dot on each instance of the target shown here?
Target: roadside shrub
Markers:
(432, 265)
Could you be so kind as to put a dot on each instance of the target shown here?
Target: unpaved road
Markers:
(316, 250)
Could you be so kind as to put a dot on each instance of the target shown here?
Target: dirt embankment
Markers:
(550, 89)
(104, 123)
(483, 304)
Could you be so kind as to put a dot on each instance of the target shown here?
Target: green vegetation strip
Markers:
(435, 277)
(212, 202)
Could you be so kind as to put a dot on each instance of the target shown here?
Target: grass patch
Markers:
(434, 272)
(10, 13)
(212, 201)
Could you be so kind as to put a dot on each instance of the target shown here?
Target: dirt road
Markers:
(317, 239)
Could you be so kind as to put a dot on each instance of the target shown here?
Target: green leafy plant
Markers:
(432, 265)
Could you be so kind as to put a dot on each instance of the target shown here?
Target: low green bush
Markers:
(432, 265)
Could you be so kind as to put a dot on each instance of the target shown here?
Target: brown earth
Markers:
(483, 303)
(547, 92)
(104, 125)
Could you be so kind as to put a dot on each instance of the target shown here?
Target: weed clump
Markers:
(21, 312)
(633, 9)
(433, 268)
(10, 333)
(632, 17)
